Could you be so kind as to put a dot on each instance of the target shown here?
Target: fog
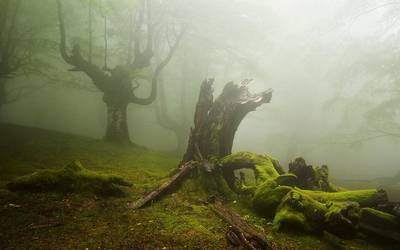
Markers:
(332, 66)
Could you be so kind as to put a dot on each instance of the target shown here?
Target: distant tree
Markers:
(179, 124)
(23, 46)
(375, 69)
(117, 83)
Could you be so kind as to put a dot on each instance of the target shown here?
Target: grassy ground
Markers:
(85, 221)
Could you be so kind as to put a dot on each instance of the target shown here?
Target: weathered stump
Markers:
(216, 121)
(215, 125)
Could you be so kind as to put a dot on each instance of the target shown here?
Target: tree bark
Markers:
(214, 131)
(117, 123)
(216, 121)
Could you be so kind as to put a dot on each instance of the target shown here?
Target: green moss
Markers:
(277, 166)
(341, 219)
(289, 217)
(316, 216)
(380, 214)
(362, 197)
(73, 178)
(262, 164)
(380, 219)
(214, 183)
(179, 221)
(286, 180)
(268, 196)
(379, 223)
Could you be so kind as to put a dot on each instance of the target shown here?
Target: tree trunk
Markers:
(117, 123)
(216, 121)
(214, 131)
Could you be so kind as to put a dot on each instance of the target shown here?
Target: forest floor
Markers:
(87, 221)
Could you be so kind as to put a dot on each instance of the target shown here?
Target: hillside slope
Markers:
(87, 221)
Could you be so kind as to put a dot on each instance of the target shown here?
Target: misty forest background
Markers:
(333, 66)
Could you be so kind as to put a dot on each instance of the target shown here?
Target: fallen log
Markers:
(378, 223)
(240, 230)
(182, 172)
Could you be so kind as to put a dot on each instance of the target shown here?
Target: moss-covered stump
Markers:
(74, 178)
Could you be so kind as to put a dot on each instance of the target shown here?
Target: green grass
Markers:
(56, 220)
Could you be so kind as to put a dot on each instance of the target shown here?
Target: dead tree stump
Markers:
(215, 125)
(216, 121)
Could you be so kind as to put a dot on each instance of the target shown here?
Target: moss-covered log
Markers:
(340, 213)
(73, 178)
(380, 223)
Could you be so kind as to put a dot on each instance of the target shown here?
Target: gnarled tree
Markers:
(116, 83)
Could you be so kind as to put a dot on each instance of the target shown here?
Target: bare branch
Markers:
(142, 58)
(157, 72)
(63, 45)
(98, 76)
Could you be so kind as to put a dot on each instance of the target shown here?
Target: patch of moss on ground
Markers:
(73, 178)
